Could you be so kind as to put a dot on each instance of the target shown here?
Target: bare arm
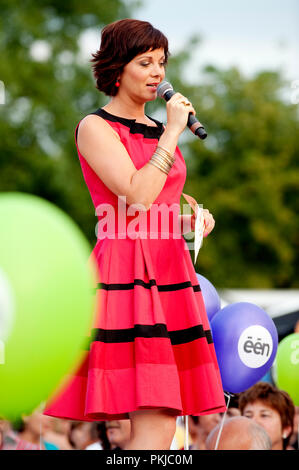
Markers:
(149, 180)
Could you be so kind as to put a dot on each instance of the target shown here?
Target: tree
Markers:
(246, 173)
(46, 97)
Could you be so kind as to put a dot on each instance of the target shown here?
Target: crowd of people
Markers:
(261, 418)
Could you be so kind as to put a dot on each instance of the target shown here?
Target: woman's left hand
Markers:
(209, 222)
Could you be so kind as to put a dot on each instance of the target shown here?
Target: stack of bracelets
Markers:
(162, 159)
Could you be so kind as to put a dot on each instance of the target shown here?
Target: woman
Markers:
(272, 409)
(152, 357)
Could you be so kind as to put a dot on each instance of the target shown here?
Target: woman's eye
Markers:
(163, 64)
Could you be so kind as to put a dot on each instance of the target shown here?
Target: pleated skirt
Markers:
(151, 345)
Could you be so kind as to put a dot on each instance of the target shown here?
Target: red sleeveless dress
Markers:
(151, 344)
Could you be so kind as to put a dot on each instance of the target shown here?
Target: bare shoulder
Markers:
(93, 124)
(102, 148)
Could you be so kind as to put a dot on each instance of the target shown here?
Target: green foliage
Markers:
(44, 100)
(246, 173)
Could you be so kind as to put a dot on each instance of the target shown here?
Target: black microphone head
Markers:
(200, 131)
(162, 88)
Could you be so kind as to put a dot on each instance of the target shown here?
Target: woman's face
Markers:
(142, 71)
(118, 432)
(208, 422)
(269, 419)
(81, 435)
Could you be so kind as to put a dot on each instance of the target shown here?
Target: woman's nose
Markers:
(157, 71)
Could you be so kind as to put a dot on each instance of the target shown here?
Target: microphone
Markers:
(165, 91)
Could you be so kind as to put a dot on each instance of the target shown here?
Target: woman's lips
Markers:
(153, 87)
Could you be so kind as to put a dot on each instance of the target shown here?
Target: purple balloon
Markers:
(210, 296)
(245, 340)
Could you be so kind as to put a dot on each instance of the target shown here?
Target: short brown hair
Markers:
(121, 41)
(276, 399)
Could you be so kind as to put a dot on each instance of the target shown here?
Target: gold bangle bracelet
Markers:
(171, 162)
(165, 150)
(161, 165)
(158, 166)
(162, 161)
(161, 151)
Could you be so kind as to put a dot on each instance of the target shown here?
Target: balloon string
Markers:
(222, 422)
(186, 440)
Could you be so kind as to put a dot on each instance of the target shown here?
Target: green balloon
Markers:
(287, 366)
(47, 300)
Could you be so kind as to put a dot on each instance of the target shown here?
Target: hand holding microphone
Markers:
(177, 105)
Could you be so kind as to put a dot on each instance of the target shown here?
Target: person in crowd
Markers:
(273, 409)
(102, 434)
(84, 434)
(118, 433)
(28, 435)
(57, 431)
(205, 424)
(99, 433)
(233, 406)
(294, 438)
(192, 430)
(239, 433)
(3, 425)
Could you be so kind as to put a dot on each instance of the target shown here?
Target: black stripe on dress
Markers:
(148, 285)
(159, 330)
(150, 132)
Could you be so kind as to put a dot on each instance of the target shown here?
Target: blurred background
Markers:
(238, 64)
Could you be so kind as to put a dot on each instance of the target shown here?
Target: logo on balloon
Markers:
(255, 346)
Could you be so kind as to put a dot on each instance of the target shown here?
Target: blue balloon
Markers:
(210, 296)
(245, 340)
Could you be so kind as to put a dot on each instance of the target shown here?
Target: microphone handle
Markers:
(193, 123)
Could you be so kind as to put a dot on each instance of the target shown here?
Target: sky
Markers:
(252, 35)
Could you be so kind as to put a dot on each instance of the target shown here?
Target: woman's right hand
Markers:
(178, 112)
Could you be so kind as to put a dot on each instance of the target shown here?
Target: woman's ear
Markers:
(286, 432)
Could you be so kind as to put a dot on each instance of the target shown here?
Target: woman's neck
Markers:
(126, 108)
